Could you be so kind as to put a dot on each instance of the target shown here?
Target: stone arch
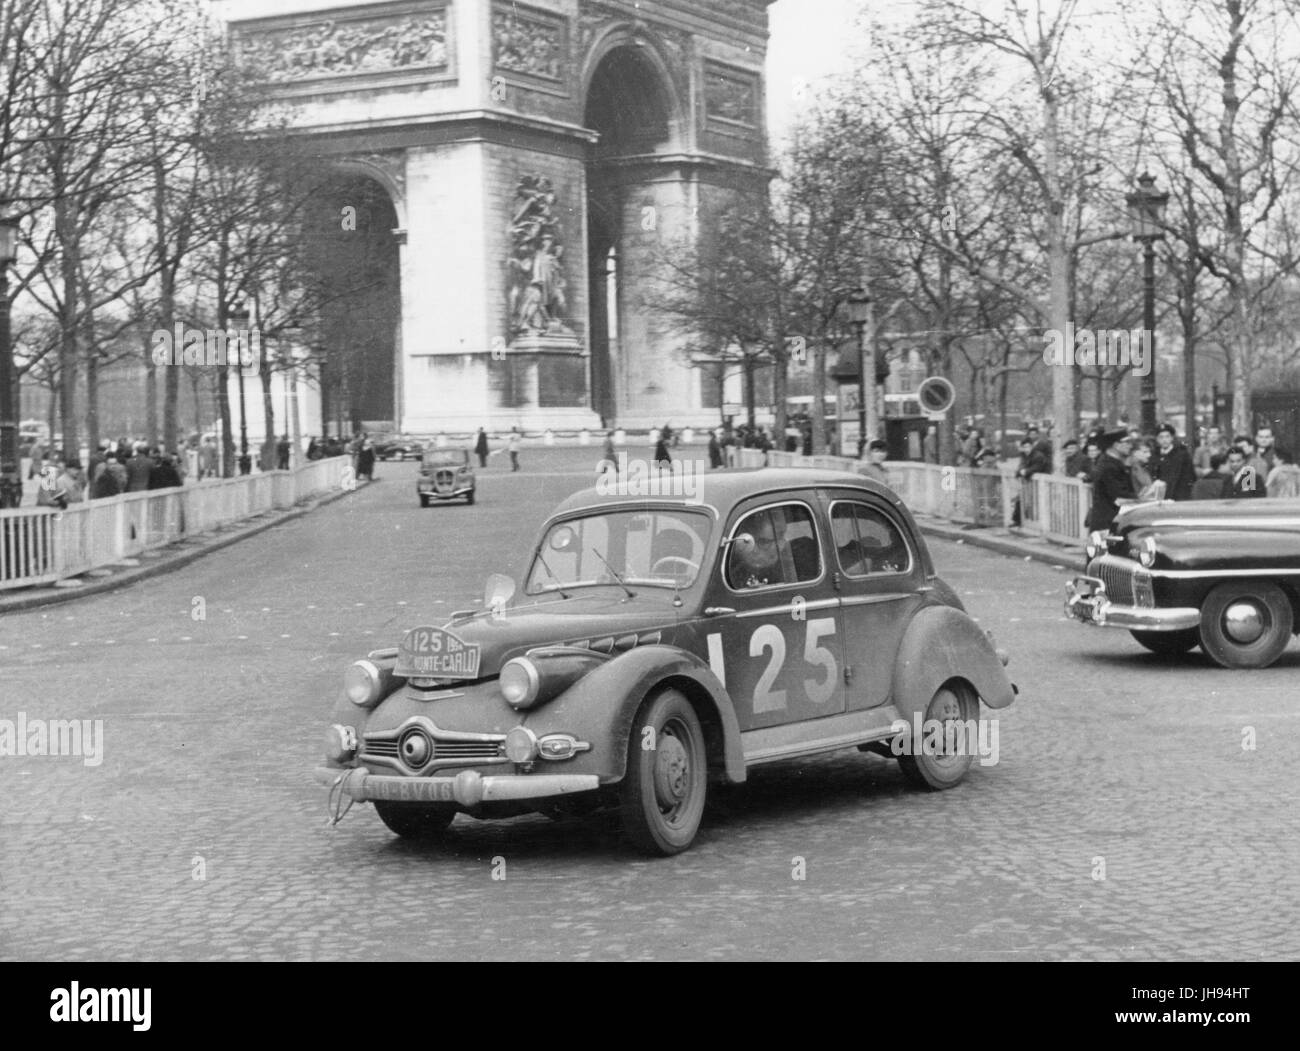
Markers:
(383, 173)
(651, 52)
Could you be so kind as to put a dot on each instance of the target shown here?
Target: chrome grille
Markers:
(445, 481)
(1127, 583)
(383, 748)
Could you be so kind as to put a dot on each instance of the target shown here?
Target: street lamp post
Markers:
(238, 319)
(11, 482)
(1146, 209)
(859, 313)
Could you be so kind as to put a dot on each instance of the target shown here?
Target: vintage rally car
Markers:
(1220, 574)
(659, 642)
(445, 475)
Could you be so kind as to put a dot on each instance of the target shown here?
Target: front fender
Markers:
(601, 706)
(942, 643)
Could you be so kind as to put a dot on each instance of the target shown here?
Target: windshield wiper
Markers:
(551, 573)
(615, 572)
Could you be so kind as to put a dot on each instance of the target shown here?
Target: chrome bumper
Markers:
(468, 788)
(443, 494)
(1086, 600)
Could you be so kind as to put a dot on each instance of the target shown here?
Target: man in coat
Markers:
(1172, 464)
(138, 470)
(481, 448)
(1112, 481)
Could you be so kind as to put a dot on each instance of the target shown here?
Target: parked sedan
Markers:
(1220, 574)
(662, 642)
(398, 448)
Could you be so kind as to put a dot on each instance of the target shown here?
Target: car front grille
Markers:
(384, 749)
(1127, 583)
(445, 481)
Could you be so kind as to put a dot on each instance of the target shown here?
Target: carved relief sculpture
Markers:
(537, 289)
(329, 48)
(527, 45)
(730, 97)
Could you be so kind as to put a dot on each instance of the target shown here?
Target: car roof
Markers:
(724, 489)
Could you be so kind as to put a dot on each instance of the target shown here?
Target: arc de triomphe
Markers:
(538, 157)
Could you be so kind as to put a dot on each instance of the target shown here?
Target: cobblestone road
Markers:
(201, 835)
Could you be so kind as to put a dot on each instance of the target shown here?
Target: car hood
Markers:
(608, 622)
(1214, 534)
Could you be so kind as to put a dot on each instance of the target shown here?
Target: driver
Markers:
(759, 565)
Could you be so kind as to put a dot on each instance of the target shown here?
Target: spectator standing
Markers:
(481, 448)
(1035, 458)
(512, 444)
(1284, 480)
(1245, 480)
(207, 459)
(138, 470)
(1172, 464)
(1076, 462)
(105, 480)
(1216, 485)
(1214, 443)
(73, 481)
(164, 474)
(609, 456)
(365, 458)
(283, 450)
(1265, 448)
(930, 445)
(715, 451)
(1112, 482)
(877, 453)
(663, 461)
(1145, 484)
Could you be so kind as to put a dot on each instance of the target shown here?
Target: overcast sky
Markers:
(811, 40)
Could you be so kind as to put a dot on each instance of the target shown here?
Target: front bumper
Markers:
(444, 494)
(469, 788)
(1086, 600)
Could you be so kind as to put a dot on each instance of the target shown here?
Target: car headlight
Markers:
(1147, 552)
(361, 683)
(519, 682)
(1096, 544)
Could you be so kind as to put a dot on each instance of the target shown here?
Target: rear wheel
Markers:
(415, 820)
(663, 789)
(1246, 624)
(942, 757)
(1169, 643)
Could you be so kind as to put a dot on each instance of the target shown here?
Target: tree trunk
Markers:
(819, 398)
(268, 410)
(1063, 423)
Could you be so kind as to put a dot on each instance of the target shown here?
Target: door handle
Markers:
(717, 611)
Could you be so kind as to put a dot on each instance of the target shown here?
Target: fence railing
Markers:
(39, 545)
(1053, 507)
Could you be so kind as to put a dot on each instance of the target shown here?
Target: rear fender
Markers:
(943, 643)
(601, 707)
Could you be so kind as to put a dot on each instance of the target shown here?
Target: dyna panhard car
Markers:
(445, 475)
(1220, 574)
(660, 643)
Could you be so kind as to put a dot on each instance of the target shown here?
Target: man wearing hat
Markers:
(1112, 481)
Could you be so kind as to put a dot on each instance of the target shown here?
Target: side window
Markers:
(784, 549)
(867, 542)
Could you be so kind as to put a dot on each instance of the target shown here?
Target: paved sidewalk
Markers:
(161, 560)
(1004, 541)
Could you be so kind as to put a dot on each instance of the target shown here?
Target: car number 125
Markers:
(769, 639)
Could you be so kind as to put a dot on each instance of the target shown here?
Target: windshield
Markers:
(660, 548)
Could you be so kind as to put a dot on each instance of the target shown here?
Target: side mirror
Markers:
(744, 543)
(498, 590)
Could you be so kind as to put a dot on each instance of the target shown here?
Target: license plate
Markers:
(412, 790)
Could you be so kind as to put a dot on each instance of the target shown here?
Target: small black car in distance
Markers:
(660, 642)
(445, 475)
(1220, 574)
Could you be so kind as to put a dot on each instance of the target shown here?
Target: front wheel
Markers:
(469, 498)
(415, 821)
(424, 500)
(663, 789)
(948, 739)
(1246, 624)
(1169, 643)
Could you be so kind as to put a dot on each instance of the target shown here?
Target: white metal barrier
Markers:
(39, 545)
(1053, 507)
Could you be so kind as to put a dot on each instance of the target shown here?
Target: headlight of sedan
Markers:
(520, 682)
(1147, 552)
(362, 684)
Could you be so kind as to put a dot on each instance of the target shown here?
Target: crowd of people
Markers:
(115, 467)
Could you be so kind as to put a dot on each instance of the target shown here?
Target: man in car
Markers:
(758, 564)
